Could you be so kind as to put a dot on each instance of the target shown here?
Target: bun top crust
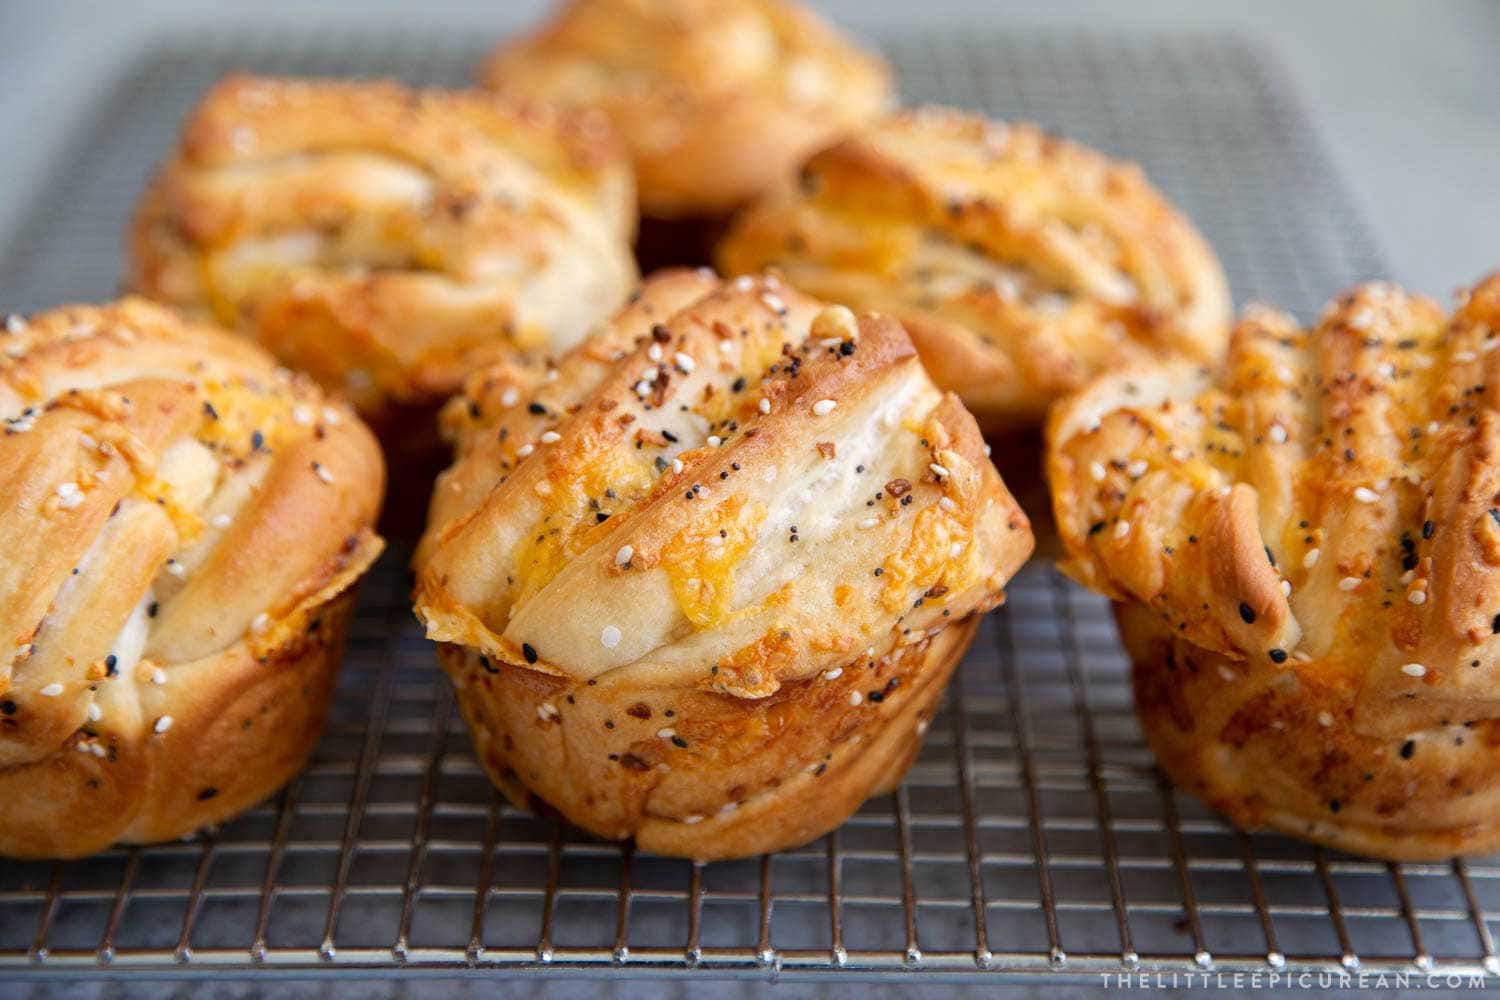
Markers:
(168, 493)
(1331, 499)
(732, 486)
(387, 240)
(1021, 264)
(717, 99)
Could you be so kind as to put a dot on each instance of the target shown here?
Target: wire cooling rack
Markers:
(1033, 836)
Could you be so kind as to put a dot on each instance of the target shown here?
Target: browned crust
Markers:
(724, 507)
(187, 522)
(741, 778)
(1022, 265)
(717, 100)
(1307, 550)
(383, 239)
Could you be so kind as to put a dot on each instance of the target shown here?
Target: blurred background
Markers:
(1404, 95)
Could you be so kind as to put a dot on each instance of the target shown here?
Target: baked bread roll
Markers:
(1022, 265)
(1305, 554)
(717, 99)
(703, 583)
(184, 523)
(385, 240)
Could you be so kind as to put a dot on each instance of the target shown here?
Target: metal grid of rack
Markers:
(1033, 836)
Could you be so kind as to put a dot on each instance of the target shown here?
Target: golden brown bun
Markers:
(717, 99)
(384, 240)
(183, 522)
(1022, 265)
(1305, 550)
(723, 555)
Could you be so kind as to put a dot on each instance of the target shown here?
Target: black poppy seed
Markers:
(209, 411)
(1334, 805)
(669, 436)
(1247, 613)
(528, 652)
(876, 696)
(738, 385)
(1096, 527)
(601, 517)
(257, 440)
(1427, 529)
(7, 707)
(536, 408)
(679, 742)
(207, 793)
(1277, 655)
(1407, 749)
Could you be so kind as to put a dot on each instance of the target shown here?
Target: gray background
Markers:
(1407, 95)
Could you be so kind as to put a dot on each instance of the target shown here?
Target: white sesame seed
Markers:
(764, 405)
(773, 303)
(869, 522)
(1434, 427)
(69, 495)
(510, 397)
(1464, 356)
(623, 556)
(677, 465)
(643, 389)
(728, 807)
(1096, 471)
(221, 520)
(955, 550)
(1136, 469)
(744, 283)
(551, 437)
(546, 711)
(685, 362)
(834, 674)
(1286, 587)
(1349, 583)
(855, 698)
(1226, 675)
(1414, 670)
(1366, 495)
(51, 690)
(714, 440)
(177, 569)
(694, 818)
(302, 416)
(1301, 656)
(95, 712)
(609, 637)
(321, 471)
(1408, 577)
(654, 353)
(666, 734)
(14, 323)
(947, 504)
(1311, 558)
(1325, 719)
(1278, 433)
(940, 471)
(1417, 596)
(162, 724)
(525, 449)
(260, 623)
(823, 407)
(726, 346)
(331, 416)
(1122, 528)
(158, 676)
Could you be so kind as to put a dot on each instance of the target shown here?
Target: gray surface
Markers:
(1405, 92)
